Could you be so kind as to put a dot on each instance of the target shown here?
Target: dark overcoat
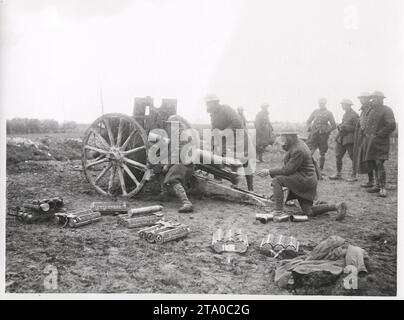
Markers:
(299, 172)
(379, 125)
(264, 130)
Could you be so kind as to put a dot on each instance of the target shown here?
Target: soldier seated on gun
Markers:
(299, 174)
(175, 176)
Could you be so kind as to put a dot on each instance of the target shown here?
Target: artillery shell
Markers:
(281, 218)
(144, 210)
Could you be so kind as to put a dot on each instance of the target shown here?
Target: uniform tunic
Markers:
(346, 134)
(299, 172)
(321, 122)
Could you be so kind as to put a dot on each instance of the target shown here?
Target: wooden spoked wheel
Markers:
(114, 155)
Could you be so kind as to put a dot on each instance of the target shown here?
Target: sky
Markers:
(59, 58)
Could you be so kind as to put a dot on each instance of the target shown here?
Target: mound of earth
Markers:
(21, 149)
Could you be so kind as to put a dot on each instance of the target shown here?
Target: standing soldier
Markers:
(223, 117)
(379, 125)
(240, 111)
(345, 138)
(320, 124)
(264, 131)
(359, 164)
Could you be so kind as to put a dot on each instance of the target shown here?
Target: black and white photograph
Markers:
(201, 148)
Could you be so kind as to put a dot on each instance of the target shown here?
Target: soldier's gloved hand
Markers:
(263, 173)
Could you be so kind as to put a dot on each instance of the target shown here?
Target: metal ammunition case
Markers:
(139, 221)
(82, 217)
(43, 207)
(110, 207)
(172, 234)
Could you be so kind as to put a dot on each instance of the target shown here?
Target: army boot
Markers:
(250, 182)
(181, 194)
(382, 183)
(371, 181)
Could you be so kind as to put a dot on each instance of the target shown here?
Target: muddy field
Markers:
(107, 258)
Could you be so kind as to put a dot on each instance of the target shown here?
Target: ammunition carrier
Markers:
(275, 245)
(229, 241)
(77, 218)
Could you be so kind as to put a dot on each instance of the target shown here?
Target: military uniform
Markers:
(264, 132)
(378, 125)
(224, 117)
(300, 175)
(346, 137)
(321, 123)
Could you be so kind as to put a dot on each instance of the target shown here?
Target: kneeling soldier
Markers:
(299, 174)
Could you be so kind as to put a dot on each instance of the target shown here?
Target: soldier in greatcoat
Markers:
(379, 125)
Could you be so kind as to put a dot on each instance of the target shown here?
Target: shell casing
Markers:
(110, 207)
(273, 244)
(264, 217)
(299, 218)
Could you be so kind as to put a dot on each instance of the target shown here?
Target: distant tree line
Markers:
(27, 126)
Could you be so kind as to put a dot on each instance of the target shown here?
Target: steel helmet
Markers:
(322, 100)
(347, 101)
(364, 95)
(377, 94)
(211, 97)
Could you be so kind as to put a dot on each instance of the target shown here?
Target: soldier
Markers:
(320, 124)
(359, 164)
(299, 175)
(240, 111)
(345, 138)
(175, 176)
(264, 131)
(224, 117)
(379, 125)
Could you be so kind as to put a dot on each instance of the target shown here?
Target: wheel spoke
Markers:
(125, 144)
(133, 150)
(94, 163)
(96, 149)
(125, 167)
(122, 181)
(136, 164)
(111, 180)
(119, 138)
(100, 137)
(103, 172)
(110, 135)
